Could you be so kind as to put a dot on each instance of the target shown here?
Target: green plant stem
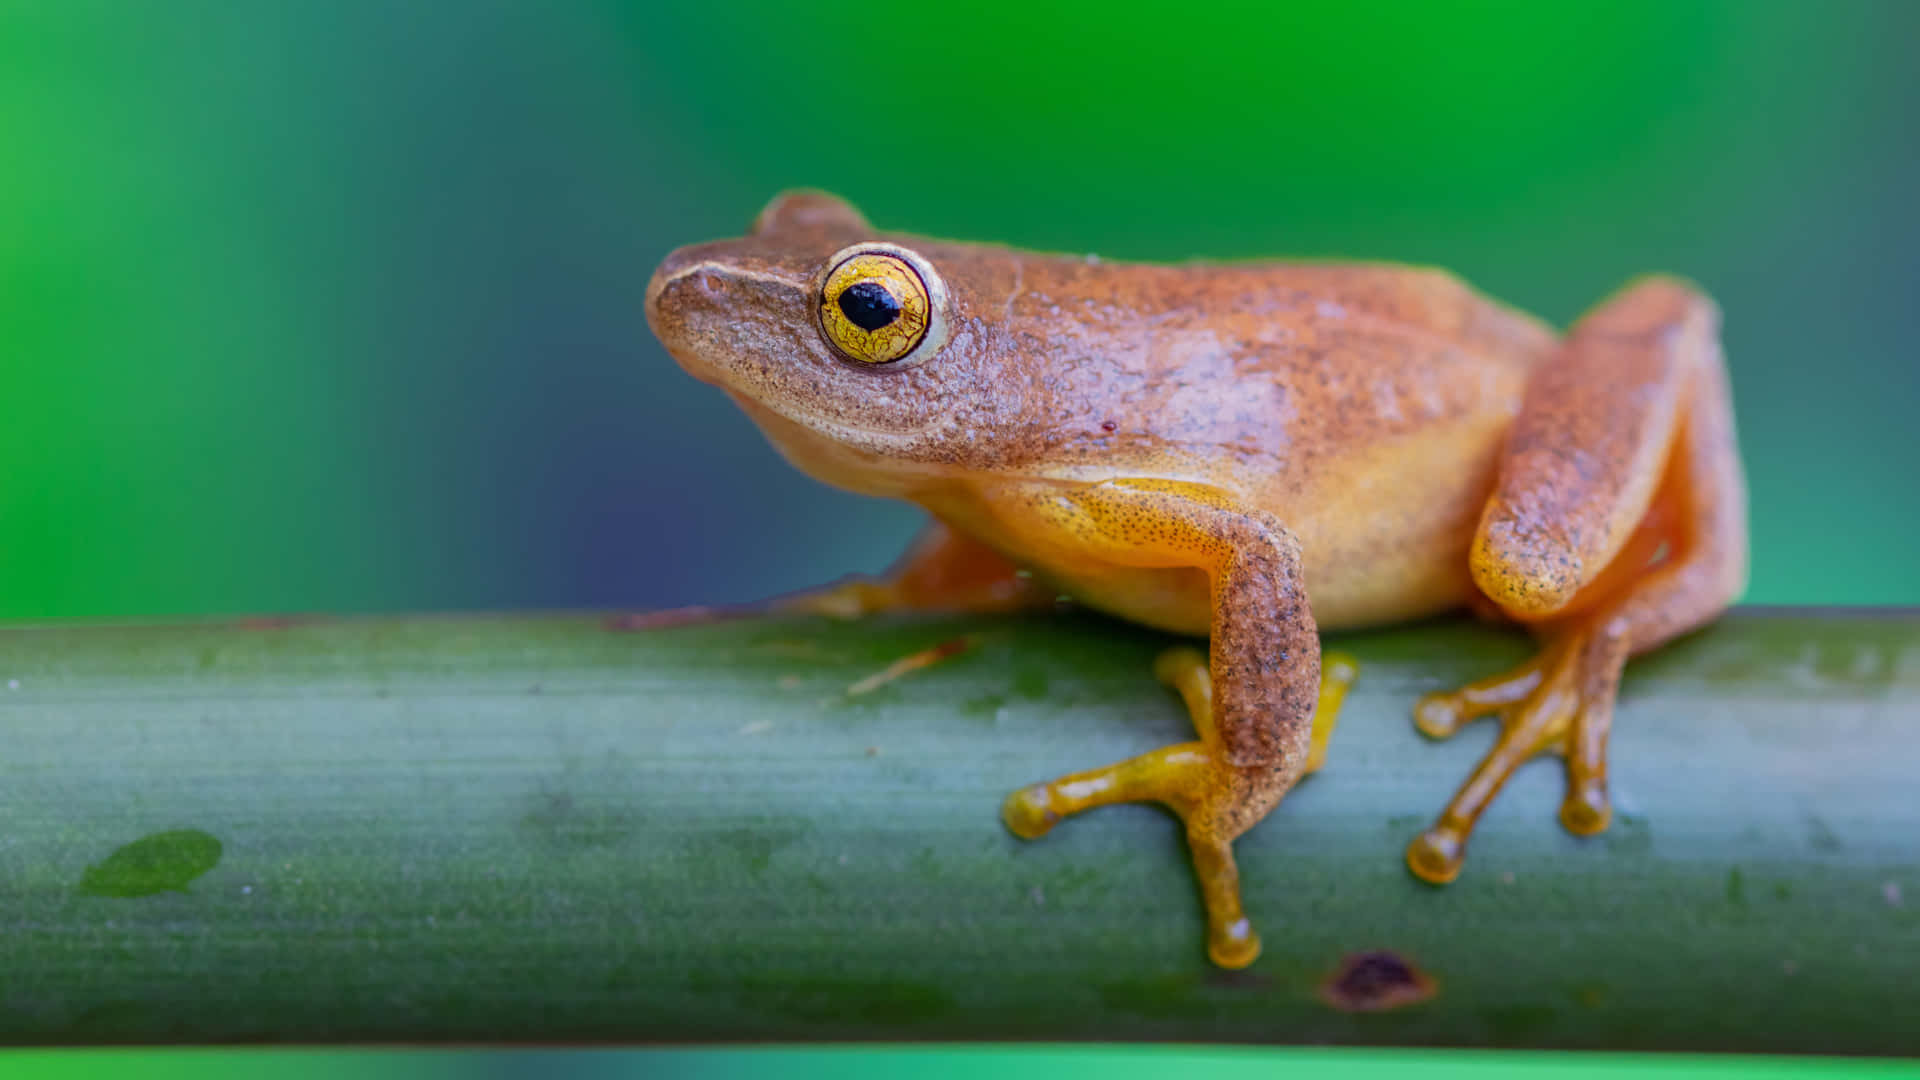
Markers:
(543, 829)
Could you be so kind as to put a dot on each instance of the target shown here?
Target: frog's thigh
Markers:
(1705, 570)
(1625, 446)
(1696, 519)
(1586, 453)
(943, 570)
(1255, 713)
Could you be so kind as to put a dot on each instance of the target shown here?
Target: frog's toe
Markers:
(1028, 812)
(1441, 715)
(1561, 702)
(1218, 801)
(1189, 779)
(1233, 945)
(1587, 810)
(1435, 856)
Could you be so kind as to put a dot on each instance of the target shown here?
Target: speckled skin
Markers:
(1362, 405)
(1207, 448)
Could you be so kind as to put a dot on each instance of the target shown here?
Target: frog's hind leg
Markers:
(944, 570)
(1619, 522)
(1185, 778)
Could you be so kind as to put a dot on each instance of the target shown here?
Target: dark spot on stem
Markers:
(1376, 981)
(155, 863)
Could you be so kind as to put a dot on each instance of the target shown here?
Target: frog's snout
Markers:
(678, 278)
(652, 302)
(690, 307)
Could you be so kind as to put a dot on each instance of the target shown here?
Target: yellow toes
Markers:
(1438, 715)
(1234, 945)
(1435, 856)
(1194, 781)
(1029, 813)
(1587, 809)
(1177, 664)
(1559, 702)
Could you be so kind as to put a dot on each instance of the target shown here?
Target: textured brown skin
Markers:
(1203, 447)
(1625, 447)
(1581, 466)
(1362, 405)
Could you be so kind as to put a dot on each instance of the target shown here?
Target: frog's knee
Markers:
(1523, 570)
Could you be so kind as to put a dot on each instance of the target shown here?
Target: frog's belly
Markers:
(1413, 580)
(1384, 538)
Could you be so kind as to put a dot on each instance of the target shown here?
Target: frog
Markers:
(1249, 452)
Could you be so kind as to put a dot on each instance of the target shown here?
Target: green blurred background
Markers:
(335, 306)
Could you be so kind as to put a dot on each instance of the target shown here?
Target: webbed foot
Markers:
(1216, 800)
(1561, 701)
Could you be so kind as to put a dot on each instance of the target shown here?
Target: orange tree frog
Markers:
(1252, 452)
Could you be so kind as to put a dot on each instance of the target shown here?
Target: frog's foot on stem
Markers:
(1561, 702)
(1618, 522)
(1217, 801)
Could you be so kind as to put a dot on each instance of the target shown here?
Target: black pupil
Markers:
(869, 305)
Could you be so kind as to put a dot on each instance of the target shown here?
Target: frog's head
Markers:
(850, 349)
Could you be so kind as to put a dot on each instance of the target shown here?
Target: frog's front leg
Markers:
(1618, 522)
(1255, 711)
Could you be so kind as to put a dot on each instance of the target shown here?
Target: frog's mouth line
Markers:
(843, 434)
(856, 459)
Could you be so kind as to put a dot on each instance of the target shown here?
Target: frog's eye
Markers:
(882, 304)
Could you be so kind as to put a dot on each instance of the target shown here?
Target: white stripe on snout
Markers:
(726, 270)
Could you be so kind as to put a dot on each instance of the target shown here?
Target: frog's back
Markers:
(1282, 368)
(1362, 404)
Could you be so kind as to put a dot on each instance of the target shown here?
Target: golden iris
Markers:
(874, 308)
